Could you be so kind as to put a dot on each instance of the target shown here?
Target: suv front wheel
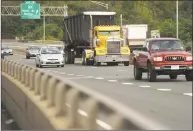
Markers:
(189, 76)
(151, 74)
(137, 72)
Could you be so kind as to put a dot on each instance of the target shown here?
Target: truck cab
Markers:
(163, 56)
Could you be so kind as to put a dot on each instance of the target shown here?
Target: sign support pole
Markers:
(44, 26)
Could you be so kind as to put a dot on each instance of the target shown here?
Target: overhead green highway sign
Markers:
(30, 10)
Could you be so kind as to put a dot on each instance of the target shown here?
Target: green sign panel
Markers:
(30, 10)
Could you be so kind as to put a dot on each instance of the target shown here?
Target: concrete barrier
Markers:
(40, 100)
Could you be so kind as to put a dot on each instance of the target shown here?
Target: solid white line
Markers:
(99, 78)
(112, 80)
(145, 86)
(164, 89)
(187, 94)
(127, 83)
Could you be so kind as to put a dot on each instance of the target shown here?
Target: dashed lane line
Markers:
(70, 74)
(187, 94)
(127, 83)
(144, 86)
(112, 80)
(164, 89)
(79, 75)
(99, 78)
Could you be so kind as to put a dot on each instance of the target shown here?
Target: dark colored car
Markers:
(32, 51)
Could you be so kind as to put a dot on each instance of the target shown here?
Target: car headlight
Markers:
(189, 58)
(158, 58)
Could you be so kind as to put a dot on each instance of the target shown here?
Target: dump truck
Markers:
(94, 37)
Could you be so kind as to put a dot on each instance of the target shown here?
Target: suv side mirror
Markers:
(188, 48)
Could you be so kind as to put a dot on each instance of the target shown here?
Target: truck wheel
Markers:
(98, 63)
(151, 74)
(189, 76)
(137, 72)
(173, 77)
(126, 63)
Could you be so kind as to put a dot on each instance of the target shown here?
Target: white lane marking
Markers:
(104, 125)
(144, 86)
(70, 74)
(187, 94)
(99, 122)
(63, 73)
(164, 89)
(67, 105)
(99, 78)
(79, 75)
(112, 80)
(83, 113)
(127, 83)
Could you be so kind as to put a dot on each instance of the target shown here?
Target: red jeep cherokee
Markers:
(163, 56)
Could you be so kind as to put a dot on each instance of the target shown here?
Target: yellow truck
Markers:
(95, 38)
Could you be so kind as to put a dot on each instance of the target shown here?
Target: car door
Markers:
(143, 55)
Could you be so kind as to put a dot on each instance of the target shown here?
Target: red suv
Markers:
(163, 56)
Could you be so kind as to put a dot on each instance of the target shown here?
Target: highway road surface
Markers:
(166, 101)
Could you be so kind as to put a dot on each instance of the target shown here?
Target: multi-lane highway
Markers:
(166, 101)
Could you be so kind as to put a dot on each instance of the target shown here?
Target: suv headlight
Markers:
(158, 58)
(189, 58)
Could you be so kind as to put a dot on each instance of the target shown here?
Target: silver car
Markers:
(6, 50)
(49, 56)
(32, 51)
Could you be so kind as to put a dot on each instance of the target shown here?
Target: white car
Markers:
(48, 56)
(7, 50)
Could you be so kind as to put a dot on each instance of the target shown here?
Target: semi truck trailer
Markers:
(94, 37)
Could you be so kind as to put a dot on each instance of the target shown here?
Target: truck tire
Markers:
(151, 74)
(189, 76)
(173, 77)
(137, 72)
(126, 63)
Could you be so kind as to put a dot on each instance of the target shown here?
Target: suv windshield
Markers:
(113, 32)
(50, 51)
(166, 45)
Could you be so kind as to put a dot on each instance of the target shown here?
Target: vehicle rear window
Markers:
(50, 51)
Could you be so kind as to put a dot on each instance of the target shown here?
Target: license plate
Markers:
(114, 56)
(175, 67)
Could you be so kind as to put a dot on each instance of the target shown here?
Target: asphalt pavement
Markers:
(166, 101)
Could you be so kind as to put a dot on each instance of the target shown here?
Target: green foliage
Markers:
(157, 14)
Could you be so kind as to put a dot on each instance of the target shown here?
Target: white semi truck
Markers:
(135, 35)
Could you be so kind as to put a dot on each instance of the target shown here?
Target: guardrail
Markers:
(41, 100)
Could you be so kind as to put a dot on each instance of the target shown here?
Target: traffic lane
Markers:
(120, 74)
(171, 109)
(156, 102)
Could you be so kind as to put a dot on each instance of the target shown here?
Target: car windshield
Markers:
(50, 51)
(58, 47)
(33, 48)
(166, 45)
(113, 32)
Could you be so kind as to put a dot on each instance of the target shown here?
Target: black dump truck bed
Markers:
(77, 27)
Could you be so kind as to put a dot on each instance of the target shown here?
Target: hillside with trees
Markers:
(157, 14)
